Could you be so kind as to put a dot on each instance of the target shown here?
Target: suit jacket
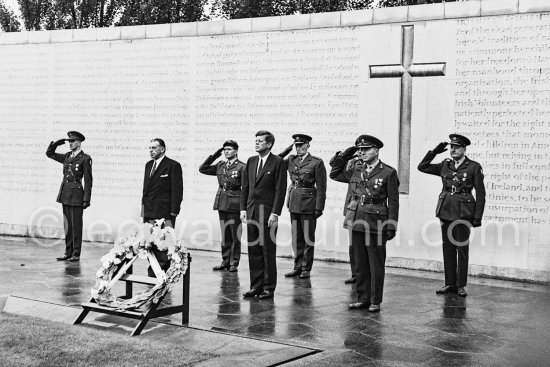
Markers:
(72, 192)
(308, 190)
(456, 200)
(228, 196)
(162, 192)
(266, 189)
(374, 196)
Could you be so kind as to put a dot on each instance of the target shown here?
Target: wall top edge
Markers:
(411, 13)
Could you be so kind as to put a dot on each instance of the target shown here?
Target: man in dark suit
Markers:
(371, 215)
(73, 194)
(306, 202)
(227, 201)
(162, 192)
(456, 208)
(262, 199)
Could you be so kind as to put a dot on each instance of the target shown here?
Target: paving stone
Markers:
(499, 324)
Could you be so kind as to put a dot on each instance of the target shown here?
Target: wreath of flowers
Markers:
(125, 251)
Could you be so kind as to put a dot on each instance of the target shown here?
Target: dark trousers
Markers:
(262, 251)
(303, 240)
(73, 229)
(162, 256)
(455, 252)
(369, 250)
(351, 257)
(230, 224)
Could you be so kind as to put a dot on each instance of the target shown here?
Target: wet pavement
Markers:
(500, 323)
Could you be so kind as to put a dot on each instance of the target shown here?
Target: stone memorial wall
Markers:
(196, 87)
(503, 102)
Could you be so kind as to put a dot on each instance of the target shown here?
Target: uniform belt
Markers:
(304, 185)
(367, 200)
(67, 181)
(230, 187)
(453, 190)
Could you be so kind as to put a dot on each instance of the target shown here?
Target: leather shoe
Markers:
(62, 258)
(446, 289)
(305, 274)
(358, 305)
(293, 273)
(461, 292)
(233, 269)
(252, 293)
(266, 294)
(74, 258)
(350, 280)
(374, 308)
(220, 267)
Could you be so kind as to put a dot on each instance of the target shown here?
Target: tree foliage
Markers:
(8, 20)
(392, 3)
(70, 14)
(160, 11)
(234, 9)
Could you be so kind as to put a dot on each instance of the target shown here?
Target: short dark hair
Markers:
(269, 138)
(160, 141)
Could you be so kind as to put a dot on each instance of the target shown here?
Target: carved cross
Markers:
(406, 71)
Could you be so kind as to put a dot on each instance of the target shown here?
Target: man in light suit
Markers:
(162, 192)
(262, 199)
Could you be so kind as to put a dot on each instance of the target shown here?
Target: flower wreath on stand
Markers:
(125, 251)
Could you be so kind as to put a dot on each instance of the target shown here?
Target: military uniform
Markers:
(227, 203)
(305, 202)
(73, 194)
(457, 208)
(371, 216)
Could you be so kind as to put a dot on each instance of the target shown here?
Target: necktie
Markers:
(260, 166)
(153, 169)
(369, 169)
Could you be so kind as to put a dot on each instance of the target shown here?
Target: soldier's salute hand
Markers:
(285, 152)
(218, 153)
(348, 153)
(440, 148)
(59, 142)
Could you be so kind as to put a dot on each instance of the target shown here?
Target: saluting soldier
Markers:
(306, 202)
(457, 209)
(371, 215)
(74, 195)
(227, 201)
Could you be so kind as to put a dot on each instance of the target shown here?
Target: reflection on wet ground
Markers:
(499, 323)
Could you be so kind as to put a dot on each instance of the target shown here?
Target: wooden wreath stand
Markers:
(125, 274)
